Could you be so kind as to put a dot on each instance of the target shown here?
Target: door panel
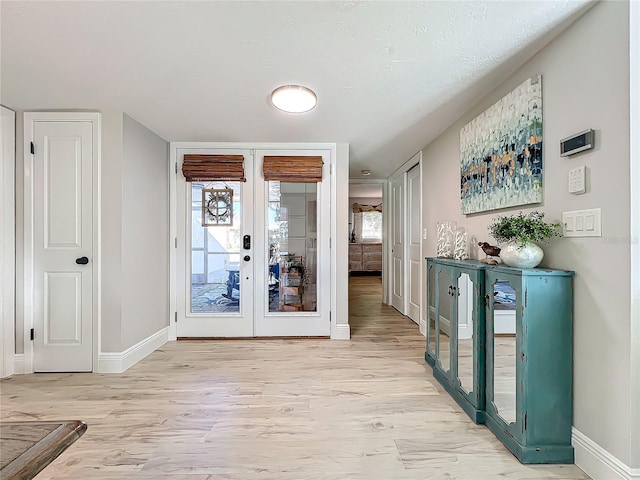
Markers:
(215, 298)
(414, 264)
(63, 232)
(63, 308)
(397, 239)
(292, 232)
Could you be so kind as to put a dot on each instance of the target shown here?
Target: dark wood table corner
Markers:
(28, 447)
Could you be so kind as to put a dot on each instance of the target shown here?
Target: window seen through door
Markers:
(371, 226)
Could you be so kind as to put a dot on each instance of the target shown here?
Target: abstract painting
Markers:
(501, 152)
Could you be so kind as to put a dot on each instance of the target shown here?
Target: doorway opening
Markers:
(366, 238)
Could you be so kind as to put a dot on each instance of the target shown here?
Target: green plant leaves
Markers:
(524, 228)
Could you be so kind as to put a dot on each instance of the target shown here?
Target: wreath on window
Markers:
(217, 207)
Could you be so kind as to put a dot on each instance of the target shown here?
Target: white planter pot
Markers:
(528, 255)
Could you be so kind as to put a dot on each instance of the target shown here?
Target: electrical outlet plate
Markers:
(577, 180)
(582, 223)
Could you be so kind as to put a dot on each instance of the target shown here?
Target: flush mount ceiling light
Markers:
(294, 99)
(365, 172)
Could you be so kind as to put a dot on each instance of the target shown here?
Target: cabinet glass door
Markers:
(431, 310)
(502, 320)
(466, 314)
(444, 318)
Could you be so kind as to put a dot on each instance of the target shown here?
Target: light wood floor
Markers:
(368, 408)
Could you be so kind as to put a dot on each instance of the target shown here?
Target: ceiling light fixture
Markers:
(366, 172)
(294, 99)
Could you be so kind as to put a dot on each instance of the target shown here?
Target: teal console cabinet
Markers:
(456, 331)
(500, 341)
(529, 376)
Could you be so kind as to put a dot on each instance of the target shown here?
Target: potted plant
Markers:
(518, 234)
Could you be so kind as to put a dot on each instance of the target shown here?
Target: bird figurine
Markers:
(490, 251)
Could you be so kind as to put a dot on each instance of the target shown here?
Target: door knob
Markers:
(82, 260)
(247, 258)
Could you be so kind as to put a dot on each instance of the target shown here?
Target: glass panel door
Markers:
(214, 218)
(293, 302)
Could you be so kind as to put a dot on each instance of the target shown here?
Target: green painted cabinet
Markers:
(529, 375)
(499, 340)
(456, 331)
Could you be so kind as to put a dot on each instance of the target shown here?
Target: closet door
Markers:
(398, 243)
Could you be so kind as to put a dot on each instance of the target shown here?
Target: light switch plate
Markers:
(582, 223)
(577, 180)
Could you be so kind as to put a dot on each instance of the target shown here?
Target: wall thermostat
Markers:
(576, 143)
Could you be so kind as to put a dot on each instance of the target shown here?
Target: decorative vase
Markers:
(461, 244)
(514, 254)
(445, 239)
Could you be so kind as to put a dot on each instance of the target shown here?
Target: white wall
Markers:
(585, 84)
(111, 231)
(340, 234)
(145, 234)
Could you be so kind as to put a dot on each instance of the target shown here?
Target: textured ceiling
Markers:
(389, 76)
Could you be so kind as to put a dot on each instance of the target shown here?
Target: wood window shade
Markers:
(292, 169)
(197, 167)
(359, 208)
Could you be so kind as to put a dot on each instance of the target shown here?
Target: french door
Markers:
(253, 256)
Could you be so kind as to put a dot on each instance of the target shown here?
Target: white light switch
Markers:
(568, 225)
(582, 223)
(424, 233)
(577, 180)
(589, 222)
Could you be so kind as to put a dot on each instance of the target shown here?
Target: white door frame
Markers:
(7, 239)
(402, 170)
(29, 246)
(339, 316)
(634, 154)
(385, 238)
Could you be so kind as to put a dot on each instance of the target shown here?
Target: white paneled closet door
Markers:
(62, 165)
(413, 263)
(398, 242)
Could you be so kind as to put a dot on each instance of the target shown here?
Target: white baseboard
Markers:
(596, 462)
(504, 322)
(118, 362)
(18, 364)
(341, 332)
(423, 327)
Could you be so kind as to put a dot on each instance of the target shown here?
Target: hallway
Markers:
(368, 408)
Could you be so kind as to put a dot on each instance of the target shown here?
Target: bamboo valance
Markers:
(359, 208)
(196, 167)
(293, 169)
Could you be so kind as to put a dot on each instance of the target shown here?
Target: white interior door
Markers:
(397, 242)
(262, 275)
(413, 263)
(63, 157)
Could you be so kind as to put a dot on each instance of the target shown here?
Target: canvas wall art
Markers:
(501, 152)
